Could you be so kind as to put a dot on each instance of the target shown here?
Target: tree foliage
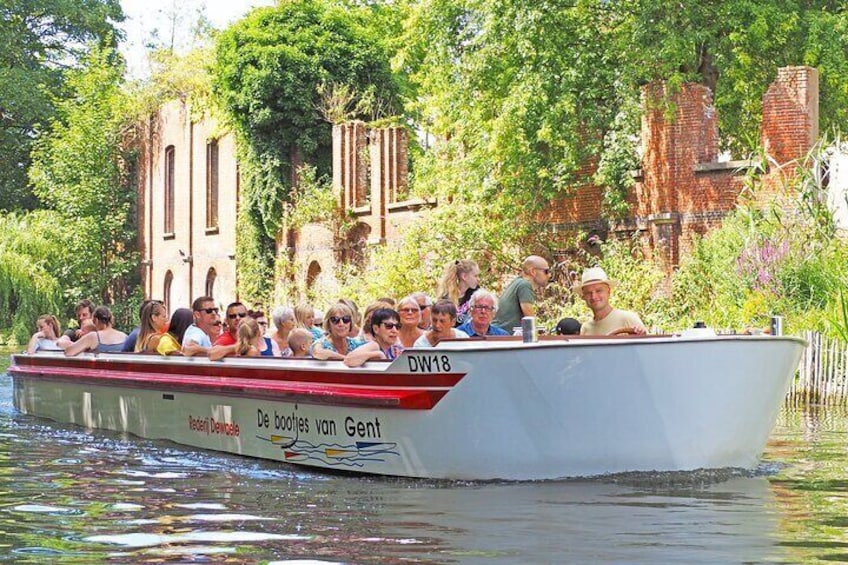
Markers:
(82, 170)
(29, 247)
(41, 40)
(525, 97)
(270, 70)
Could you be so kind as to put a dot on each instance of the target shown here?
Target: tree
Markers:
(42, 40)
(82, 170)
(270, 70)
(526, 98)
(29, 248)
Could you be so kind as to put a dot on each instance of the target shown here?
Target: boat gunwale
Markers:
(503, 343)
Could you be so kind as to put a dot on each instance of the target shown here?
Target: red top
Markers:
(225, 338)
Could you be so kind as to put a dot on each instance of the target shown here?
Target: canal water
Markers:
(75, 496)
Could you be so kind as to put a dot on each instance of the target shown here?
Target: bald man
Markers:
(519, 297)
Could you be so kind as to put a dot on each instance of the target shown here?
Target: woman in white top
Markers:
(442, 318)
(45, 338)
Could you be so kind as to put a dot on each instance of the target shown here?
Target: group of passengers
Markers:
(382, 331)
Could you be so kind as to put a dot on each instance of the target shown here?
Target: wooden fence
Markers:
(822, 376)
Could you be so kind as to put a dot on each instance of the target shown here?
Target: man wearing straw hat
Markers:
(595, 289)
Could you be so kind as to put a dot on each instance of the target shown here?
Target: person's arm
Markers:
(84, 343)
(360, 355)
(528, 308)
(32, 346)
(64, 342)
(220, 351)
(634, 326)
(322, 353)
(527, 300)
(191, 348)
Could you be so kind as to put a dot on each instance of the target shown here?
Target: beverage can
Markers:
(528, 329)
(777, 325)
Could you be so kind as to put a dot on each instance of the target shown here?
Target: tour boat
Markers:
(467, 409)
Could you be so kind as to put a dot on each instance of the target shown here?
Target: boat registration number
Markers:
(429, 363)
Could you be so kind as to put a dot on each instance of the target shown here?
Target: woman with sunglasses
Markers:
(337, 343)
(410, 317)
(385, 328)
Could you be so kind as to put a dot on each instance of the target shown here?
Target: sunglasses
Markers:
(425, 306)
(262, 323)
(546, 271)
(336, 319)
(208, 310)
(238, 315)
(409, 310)
(391, 325)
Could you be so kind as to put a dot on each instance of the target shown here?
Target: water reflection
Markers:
(87, 497)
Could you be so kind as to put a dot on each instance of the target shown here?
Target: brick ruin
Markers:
(682, 189)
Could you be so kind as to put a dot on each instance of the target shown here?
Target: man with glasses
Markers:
(519, 297)
(424, 304)
(236, 313)
(198, 338)
(483, 308)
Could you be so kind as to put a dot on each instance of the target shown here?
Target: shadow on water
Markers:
(75, 496)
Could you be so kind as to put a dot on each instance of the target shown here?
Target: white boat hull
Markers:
(521, 411)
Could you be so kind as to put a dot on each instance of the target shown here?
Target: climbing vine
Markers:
(271, 78)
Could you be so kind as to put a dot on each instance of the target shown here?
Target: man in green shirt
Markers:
(519, 297)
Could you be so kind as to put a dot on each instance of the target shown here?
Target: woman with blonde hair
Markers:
(338, 342)
(410, 318)
(153, 336)
(459, 282)
(46, 336)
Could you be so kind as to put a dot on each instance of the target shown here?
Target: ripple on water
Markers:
(150, 540)
(44, 509)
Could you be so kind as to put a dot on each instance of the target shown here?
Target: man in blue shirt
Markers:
(483, 308)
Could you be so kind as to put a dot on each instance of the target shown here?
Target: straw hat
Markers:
(594, 275)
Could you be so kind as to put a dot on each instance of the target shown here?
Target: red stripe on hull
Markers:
(254, 372)
(355, 394)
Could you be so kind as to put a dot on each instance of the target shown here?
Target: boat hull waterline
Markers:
(465, 410)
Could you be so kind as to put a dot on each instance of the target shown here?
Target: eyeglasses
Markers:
(409, 310)
(208, 310)
(336, 319)
(483, 308)
(237, 315)
(391, 325)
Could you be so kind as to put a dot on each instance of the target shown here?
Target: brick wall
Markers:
(682, 188)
